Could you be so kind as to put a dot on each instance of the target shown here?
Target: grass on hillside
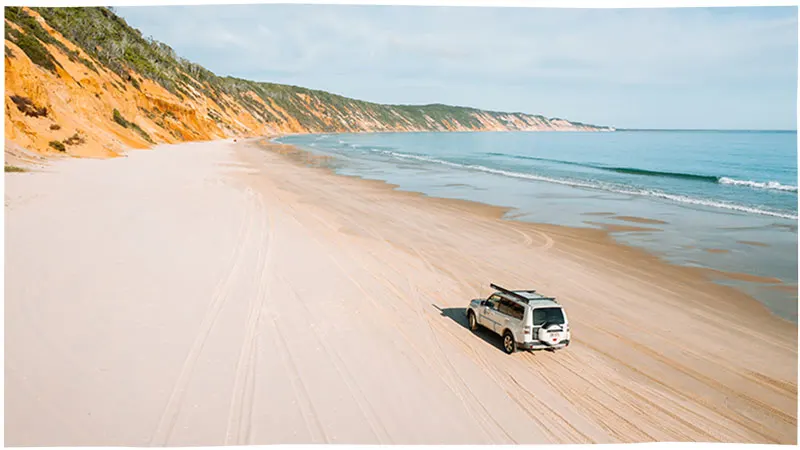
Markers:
(27, 107)
(58, 145)
(117, 116)
(32, 39)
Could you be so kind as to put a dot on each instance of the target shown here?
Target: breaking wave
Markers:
(610, 187)
(771, 185)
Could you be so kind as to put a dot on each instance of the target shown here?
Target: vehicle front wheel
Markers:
(509, 344)
(472, 321)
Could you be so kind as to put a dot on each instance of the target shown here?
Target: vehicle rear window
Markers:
(542, 316)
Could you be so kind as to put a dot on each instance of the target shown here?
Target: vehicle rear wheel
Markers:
(509, 344)
(473, 323)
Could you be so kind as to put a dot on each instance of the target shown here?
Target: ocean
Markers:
(724, 200)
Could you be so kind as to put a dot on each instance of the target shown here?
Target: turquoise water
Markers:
(728, 200)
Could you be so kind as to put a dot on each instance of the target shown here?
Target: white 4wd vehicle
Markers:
(525, 319)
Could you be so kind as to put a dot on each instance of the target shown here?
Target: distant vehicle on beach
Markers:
(525, 319)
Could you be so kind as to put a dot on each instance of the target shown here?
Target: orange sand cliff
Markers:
(81, 101)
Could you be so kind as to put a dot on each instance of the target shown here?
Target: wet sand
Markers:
(640, 220)
(786, 288)
(614, 228)
(230, 293)
(754, 243)
(741, 276)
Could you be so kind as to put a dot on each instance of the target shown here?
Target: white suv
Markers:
(525, 319)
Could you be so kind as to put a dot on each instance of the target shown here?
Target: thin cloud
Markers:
(746, 51)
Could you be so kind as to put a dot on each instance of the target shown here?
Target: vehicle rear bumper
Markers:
(538, 345)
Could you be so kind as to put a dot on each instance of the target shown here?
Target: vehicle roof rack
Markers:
(519, 297)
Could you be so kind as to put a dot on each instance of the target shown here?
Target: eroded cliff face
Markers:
(77, 106)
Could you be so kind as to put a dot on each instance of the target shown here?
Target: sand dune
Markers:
(227, 293)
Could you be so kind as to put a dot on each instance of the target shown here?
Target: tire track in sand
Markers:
(464, 393)
(457, 384)
(527, 239)
(525, 399)
(307, 410)
(170, 413)
(241, 409)
(453, 372)
(363, 403)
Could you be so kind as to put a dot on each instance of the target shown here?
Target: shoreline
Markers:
(709, 274)
(654, 292)
(220, 294)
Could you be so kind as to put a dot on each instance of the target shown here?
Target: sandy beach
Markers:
(221, 293)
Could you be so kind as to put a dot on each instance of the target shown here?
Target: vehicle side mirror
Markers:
(483, 302)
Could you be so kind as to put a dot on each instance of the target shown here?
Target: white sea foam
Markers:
(601, 186)
(773, 185)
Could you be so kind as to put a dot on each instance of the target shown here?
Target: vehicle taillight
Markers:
(526, 330)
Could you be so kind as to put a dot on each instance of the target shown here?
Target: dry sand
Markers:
(216, 293)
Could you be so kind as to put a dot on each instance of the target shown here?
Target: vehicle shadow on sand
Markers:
(459, 316)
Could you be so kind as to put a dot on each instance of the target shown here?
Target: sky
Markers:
(684, 68)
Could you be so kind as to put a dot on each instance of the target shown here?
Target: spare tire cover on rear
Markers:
(546, 329)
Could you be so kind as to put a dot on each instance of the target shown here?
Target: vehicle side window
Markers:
(493, 302)
(512, 309)
(518, 311)
(503, 306)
